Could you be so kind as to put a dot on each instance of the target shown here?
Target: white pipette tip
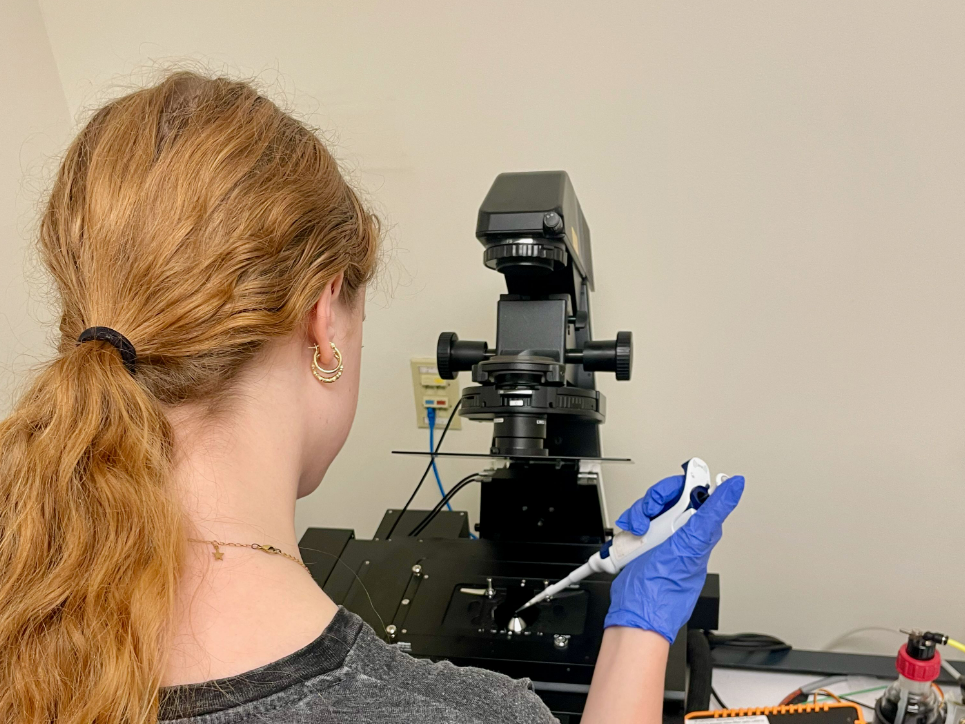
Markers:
(532, 602)
(575, 577)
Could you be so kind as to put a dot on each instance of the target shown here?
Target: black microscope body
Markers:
(440, 594)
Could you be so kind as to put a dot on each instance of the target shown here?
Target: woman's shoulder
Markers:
(443, 691)
(349, 674)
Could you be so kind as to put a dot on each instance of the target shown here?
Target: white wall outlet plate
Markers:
(432, 391)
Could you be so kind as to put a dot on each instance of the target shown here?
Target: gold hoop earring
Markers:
(320, 371)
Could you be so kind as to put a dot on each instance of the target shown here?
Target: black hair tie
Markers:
(115, 338)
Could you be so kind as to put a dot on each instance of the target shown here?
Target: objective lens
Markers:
(519, 435)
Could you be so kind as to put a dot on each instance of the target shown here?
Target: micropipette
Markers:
(624, 546)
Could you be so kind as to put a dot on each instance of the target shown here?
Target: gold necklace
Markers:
(219, 554)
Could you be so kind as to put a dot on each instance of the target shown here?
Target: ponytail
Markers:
(202, 222)
(89, 538)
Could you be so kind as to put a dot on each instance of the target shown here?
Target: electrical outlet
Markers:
(433, 391)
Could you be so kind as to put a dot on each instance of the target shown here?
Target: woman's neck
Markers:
(237, 479)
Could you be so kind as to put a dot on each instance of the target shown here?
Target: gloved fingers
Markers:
(701, 533)
(663, 495)
(723, 501)
(657, 499)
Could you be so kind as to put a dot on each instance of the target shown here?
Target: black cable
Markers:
(444, 501)
(430, 516)
(701, 672)
(720, 701)
(437, 508)
(474, 478)
(855, 701)
(432, 459)
(746, 642)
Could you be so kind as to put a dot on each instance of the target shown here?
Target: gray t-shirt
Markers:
(348, 674)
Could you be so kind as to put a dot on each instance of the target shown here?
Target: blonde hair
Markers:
(201, 222)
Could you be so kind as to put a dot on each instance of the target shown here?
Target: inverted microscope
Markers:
(422, 581)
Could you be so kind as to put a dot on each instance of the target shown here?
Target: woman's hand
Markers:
(658, 591)
(650, 601)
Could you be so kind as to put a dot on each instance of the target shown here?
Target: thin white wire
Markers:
(950, 669)
(835, 642)
(822, 683)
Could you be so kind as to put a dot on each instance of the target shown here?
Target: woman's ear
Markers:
(324, 320)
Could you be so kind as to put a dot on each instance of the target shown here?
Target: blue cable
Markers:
(431, 413)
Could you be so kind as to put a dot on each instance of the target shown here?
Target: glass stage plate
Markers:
(527, 458)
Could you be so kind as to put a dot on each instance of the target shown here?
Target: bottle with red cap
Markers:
(912, 699)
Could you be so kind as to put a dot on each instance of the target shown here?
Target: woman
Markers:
(211, 263)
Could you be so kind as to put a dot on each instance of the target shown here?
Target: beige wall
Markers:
(777, 203)
(33, 127)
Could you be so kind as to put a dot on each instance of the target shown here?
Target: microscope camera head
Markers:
(537, 385)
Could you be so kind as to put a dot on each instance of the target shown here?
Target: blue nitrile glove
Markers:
(658, 591)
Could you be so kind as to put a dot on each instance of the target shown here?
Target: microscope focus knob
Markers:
(624, 356)
(454, 355)
(612, 355)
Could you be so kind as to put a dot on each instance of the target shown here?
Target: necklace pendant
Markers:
(218, 553)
